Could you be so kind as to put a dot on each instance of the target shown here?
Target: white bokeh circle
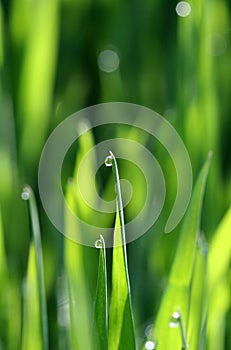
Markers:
(68, 131)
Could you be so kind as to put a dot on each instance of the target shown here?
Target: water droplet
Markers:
(183, 9)
(25, 193)
(150, 345)
(148, 330)
(99, 243)
(175, 320)
(108, 161)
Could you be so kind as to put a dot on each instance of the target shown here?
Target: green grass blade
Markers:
(3, 280)
(79, 260)
(31, 329)
(79, 298)
(176, 296)
(121, 324)
(36, 72)
(3, 268)
(218, 284)
(35, 276)
(10, 314)
(197, 300)
(101, 305)
(181, 274)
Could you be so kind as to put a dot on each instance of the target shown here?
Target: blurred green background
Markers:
(59, 56)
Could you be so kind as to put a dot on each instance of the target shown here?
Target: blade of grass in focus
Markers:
(218, 284)
(101, 305)
(121, 324)
(35, 310)
(176, 296)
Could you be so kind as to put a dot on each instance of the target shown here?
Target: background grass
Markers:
(180, 67)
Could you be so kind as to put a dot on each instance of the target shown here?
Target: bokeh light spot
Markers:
(183, 9)
(108, 61)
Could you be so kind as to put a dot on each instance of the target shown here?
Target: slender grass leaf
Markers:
(218, 284)
(1, 43)
(79, 261)
(80, 303)
(37, 71)
(197, 295)
(35, 278)
(80, 268)
(3, 280)
(121, 324)
(10, 307)
(176, 296)
(101, 305)
(3, 264)
(31, 328)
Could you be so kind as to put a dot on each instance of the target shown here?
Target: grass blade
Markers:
(197, 295)
(35, 278)
(80, 316)
(101, 307)
(176, 296)
(3, 279)
(36, 71)
(9, 301)
(218, 284)
(121, 324)
(3, 265)
(31, 331)
(79, 259)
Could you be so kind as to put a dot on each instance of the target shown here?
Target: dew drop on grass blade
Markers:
(35, 311)
(121, 324)
(176, 296)
(101, 305)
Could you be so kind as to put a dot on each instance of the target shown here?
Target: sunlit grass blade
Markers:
(218, 284)
(78, 259)
(79, 298)
(31, 329)
(176, 296)
(121, 324)
(197, 295)
(36, 71)
(35, 295)
(101, 304)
